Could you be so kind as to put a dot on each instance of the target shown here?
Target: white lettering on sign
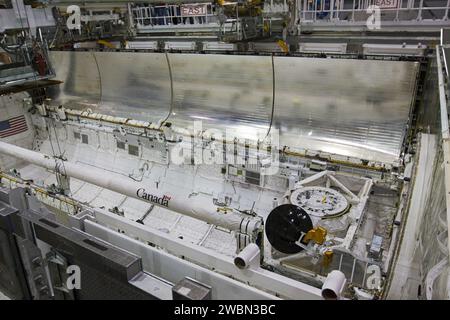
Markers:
(386, 4)
(192, 10)
(74, 20)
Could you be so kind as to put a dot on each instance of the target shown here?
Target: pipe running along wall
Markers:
(195, 206)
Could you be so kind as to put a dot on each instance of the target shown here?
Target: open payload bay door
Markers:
(346, 107)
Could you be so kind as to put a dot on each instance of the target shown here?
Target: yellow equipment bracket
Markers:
(317, 235)
(327, 257)
(106, 44)
(283, 45)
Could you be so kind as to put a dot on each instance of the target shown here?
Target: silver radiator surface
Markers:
(356, 108)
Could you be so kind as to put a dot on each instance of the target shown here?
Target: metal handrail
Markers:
(147, 16)
(333, 10)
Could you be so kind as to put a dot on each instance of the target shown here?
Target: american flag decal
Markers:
(13, 126)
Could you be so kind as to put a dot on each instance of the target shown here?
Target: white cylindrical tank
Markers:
(42, 109)
(292, 181)
(275, 203)
(250, 256)
(61, 112)
(334, 285)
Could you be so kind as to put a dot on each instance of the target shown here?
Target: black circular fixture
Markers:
(284, 226)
